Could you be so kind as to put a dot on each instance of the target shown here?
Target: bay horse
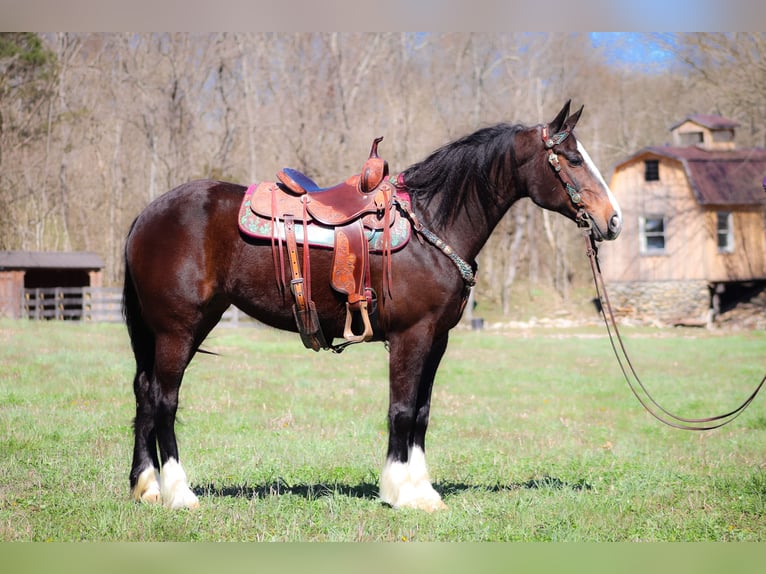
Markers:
(186, 261)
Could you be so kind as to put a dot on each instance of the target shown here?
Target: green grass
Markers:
(534, 436)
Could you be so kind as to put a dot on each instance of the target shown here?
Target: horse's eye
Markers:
(575, 160)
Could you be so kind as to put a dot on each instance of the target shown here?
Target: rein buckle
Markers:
(584, 222)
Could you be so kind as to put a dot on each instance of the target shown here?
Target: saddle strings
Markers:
(276, 238)
(387, 243)
(306, 269)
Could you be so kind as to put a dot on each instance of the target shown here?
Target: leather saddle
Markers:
(360, 195)
(346, 201)
(353, 217)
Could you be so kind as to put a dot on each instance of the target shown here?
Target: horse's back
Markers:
(190, 202)
(187, 213)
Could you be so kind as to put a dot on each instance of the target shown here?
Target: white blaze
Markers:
(592, 167)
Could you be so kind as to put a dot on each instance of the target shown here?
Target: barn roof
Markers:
(709, 121)
(50, 260)
(732, 177)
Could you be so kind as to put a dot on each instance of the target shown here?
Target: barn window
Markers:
(723, 136)
(652, 170)
(691, 138)
(725, 231)
(652, 231)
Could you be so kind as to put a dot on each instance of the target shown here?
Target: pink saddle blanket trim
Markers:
(259, 227)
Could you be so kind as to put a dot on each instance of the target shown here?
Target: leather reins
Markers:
(618, 346)
(634, 381)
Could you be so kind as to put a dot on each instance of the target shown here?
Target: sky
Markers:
(367, 15)
(631, 48)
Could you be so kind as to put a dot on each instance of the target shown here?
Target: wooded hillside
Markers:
(94, 126)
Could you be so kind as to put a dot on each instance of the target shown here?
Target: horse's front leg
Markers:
(405, 481)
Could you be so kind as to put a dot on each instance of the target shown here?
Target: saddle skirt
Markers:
(264, 206)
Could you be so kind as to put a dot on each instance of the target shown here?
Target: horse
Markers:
(186, 262)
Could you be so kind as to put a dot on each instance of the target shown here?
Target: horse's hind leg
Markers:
(405, 481)
(144, 475)
(173, 353)
(156, 406)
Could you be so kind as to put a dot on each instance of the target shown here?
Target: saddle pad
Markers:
(260, 227)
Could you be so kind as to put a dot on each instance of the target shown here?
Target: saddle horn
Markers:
(374, 149)
(374, 170)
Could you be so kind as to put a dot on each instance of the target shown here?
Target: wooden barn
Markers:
(46, 284)
(694, 232)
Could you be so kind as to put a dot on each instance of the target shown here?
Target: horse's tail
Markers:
(141, 336)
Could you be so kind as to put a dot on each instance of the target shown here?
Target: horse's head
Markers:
(573, 185)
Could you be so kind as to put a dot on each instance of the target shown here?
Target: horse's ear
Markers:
(556, 125)
(572, 120)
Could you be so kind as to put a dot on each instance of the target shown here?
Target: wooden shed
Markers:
(28, 278)
(694, 224)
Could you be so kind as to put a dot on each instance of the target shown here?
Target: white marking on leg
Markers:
(147, 487)
(428, 498)
(394, 475)
(174, 487)
(407, 485)
(416, 461)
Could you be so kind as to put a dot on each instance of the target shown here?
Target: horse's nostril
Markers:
(615, 223)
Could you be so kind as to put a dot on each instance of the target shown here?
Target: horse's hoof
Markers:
(428, 504)
(175, 488)
(434, 505)
(183, 499)
(422, 498)
(147, 487)
(151, 497)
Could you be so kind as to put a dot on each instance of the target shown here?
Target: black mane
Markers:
(480, 163)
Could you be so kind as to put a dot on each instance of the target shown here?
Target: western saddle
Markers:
(345, 217)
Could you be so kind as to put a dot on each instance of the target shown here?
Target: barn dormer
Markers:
(713, 133)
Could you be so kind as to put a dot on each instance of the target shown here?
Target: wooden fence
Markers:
(102, 304)
(94, 304)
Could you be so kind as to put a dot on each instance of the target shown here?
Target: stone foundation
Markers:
(662, 302)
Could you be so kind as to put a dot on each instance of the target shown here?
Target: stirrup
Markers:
(348, 334)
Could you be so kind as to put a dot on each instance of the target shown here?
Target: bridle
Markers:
(550, 141)
(636, 385)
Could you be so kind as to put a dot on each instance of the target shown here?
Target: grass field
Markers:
(534, 436)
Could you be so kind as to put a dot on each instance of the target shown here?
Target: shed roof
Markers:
(733, 177)
(50, 260)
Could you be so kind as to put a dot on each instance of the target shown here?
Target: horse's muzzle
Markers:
(613, 228)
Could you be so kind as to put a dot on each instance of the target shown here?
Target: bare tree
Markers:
(93, 126)
(27, 91)
(730, 70)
